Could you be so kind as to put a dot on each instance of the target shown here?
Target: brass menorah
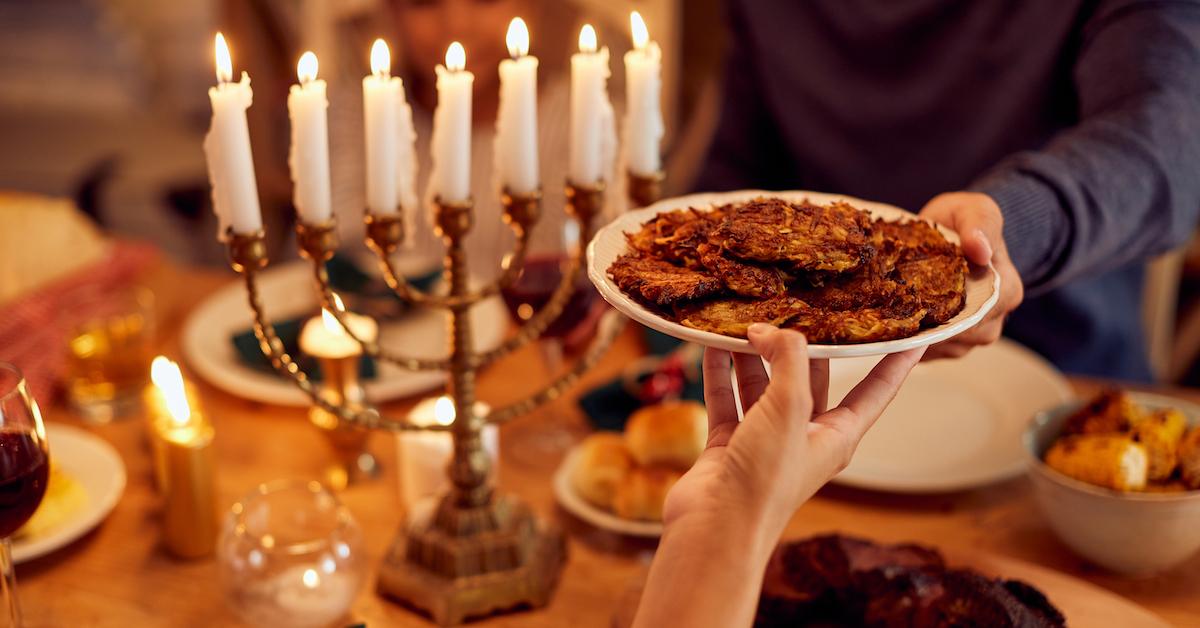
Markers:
(479, 552)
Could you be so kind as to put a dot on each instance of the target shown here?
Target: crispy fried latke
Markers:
(803, 236)
(742, 278)
(661, 283)
(733, 316)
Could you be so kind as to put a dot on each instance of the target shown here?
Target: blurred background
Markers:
(105, 102)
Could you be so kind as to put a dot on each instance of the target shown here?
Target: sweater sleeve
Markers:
(1124, 183)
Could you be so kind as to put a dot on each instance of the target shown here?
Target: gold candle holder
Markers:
(644, 190)
(475, 552)
(352, 462)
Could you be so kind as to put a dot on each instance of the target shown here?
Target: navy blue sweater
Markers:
(1080, 118)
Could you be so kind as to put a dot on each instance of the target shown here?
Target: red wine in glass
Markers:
(536, 284)
(24, 471)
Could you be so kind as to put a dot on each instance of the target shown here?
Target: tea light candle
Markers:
(307, 595)
(516, 120)
(184, 463)
(451, 140)
(308, 156)
(643, 113)
(227, 148)
(324, 337)
(591, 123)
(423, 456)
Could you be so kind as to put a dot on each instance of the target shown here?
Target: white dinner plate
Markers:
(287, 291)
(956, 424)
(98, 469)
(573, 503)
(983, 283)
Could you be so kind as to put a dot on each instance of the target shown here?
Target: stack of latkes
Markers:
(829, 271)
(630, 474)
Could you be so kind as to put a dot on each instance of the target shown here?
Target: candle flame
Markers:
(224, 62)
(517, 38)
(306, 69)
(381, 59)
(338, 304)
(456, 57)
(641, 36)
(443, 411)
(587, 39)
(330, 321)
(169, 381)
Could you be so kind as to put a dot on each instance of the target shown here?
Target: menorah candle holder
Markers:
(477, 552)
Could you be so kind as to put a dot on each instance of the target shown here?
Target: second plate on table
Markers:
(95, 481)
(956, 424)
(575, 504)
(287, 291)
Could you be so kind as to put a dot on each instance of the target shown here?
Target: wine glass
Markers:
(24, 470)
(543, 270)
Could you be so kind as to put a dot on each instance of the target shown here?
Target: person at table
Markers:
(725, 515)
(1059, 138)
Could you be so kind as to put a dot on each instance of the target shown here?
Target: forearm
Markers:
(707, 572)
(1119, 186)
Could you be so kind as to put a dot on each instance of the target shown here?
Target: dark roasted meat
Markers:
(834, 580)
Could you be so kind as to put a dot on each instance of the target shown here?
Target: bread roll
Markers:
(672, 434)
(603, 462)
(642, 492)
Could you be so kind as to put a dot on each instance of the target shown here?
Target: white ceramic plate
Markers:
(98, 469)
(603, 519)
(956, 424)
(287, 291)
(983, 284)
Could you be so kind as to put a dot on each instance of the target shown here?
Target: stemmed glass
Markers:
(24, 471)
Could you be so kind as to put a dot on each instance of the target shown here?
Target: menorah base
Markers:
(456, 563)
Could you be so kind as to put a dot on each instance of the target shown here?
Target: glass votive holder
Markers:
(291, 555)
(110, 342)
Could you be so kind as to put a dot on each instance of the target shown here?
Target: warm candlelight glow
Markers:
(587, 39)
(641, 36)
(381, 58)
(331, 323)
(306, 69)
(517, 38)
(224, 62)
(166, 376)
(311, 578)
(337, 302)
(456, 57)
(443, 411)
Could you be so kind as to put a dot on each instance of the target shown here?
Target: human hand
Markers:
(759, 471)
(977, 218)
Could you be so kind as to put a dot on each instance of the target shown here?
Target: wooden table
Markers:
(118, 576)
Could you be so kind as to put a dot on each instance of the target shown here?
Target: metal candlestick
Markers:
(477, 552)
(340, 385)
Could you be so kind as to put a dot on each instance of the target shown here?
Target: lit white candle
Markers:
(422, 457)
(308, 157)
(324, 337)
(227, 148)
(591, 112)
(643, 112)
(516, 120)
(451, 141)
(383, 102)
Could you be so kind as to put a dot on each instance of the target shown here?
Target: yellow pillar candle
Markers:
(185, 462)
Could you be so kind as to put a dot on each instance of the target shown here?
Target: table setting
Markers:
(337, 432)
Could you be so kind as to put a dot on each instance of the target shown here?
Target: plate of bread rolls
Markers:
(618, 481)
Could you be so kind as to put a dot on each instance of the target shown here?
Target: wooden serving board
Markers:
(1084, 604)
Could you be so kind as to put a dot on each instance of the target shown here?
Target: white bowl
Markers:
(1135, 534)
